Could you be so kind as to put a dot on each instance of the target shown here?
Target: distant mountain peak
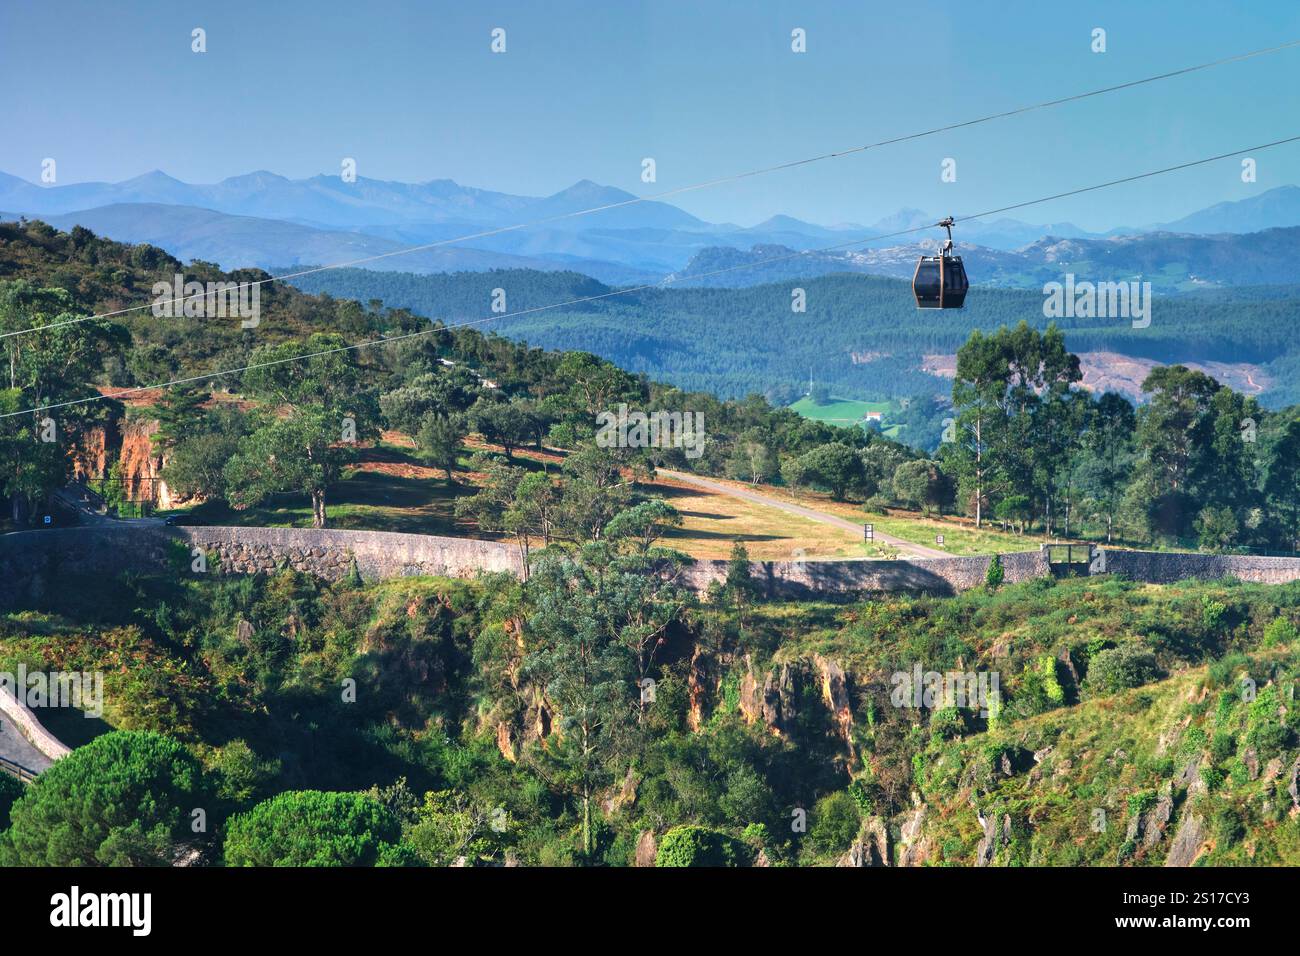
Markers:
(153, 176)
(256, 176)
(585, 187)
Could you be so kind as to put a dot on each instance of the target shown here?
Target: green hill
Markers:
(861, 335)
(1122, 732)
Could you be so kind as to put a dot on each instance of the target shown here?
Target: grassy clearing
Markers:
(838, 411)
(711, 523)
(959, 538)
(389, 490)
(960, 534)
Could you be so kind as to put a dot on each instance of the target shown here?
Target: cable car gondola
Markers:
(940, 281)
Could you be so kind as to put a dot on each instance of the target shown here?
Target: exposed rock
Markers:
(1272, 770)
(1168, 737)
(696, 684)
(645, 849)
(1294, 787)
(993, 840)
(915, 847)
(624, 796)
(779, 708)
(1251, 759)
(1067, 664)
(760, 859)
(1157, 818)
(1189, 773)
(505, 741)
(871, 847)
(1187, 842)
(835, 693)
(751, 702)
(1134, 828)
(539, 719)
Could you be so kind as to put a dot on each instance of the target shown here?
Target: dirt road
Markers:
(718, 487)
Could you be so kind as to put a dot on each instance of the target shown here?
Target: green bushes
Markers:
(698, 846)
(1212, 613)
(127, 798)
(995, 573)
(1264, 729)
(1223, 746)
(10, 790)
(314, 828)
(1119, 668)
(1280, 631)
(835, 822)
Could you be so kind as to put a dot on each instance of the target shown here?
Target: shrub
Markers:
(876, 505)
(995, 574)
(835, 823)
(1280, 631)
(1142, 801)
(10, 790)
(241, 775)
(314, 828)
(124, 799)
(1222, 747)
(1223, 672)
(1212, 613)
(696, 846)
(1051, 685)
(1119, 668)
(947, 723)
(1227, 827)
(861, 794)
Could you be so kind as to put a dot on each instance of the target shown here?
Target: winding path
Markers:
(14, 746)
(718, 487)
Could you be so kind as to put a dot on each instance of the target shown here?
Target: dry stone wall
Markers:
(800, 579)
(1162, 567)
(33, 561)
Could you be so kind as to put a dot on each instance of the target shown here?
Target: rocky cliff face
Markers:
(125, 446)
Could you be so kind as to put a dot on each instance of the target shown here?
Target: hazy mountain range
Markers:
(263, 219)
(1171, 262)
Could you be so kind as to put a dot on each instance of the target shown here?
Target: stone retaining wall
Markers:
(803, 579)
(21, 717)
(31, 560)
(1162, 567)
(329, 554)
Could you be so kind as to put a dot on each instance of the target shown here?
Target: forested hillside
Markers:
(598, 716)
(1020, 442)
(599, 712)
(860, 335)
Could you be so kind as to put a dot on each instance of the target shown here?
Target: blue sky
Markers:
(707, 88)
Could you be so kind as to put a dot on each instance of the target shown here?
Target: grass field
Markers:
(959, 537)
(389, 490)
(959, 534)
(711, 523)
(838, 411)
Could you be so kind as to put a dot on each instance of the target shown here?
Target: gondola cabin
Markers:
(940, 281)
